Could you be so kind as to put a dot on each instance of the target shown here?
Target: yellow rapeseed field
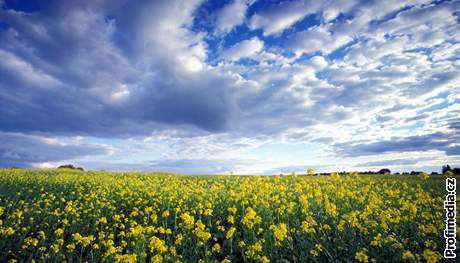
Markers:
(74, 216)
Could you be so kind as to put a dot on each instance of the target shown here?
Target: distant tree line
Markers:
(70, 166)
(445, 170)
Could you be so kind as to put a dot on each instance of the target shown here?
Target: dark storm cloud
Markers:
(23, 150)
(435, 141)
(95, 69)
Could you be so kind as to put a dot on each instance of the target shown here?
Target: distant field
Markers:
(57, 215)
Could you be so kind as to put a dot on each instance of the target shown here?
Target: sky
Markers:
(242, 86)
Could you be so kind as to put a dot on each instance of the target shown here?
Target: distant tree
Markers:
(446, 168)
(384, 171)
(456, 171)
(70, 166)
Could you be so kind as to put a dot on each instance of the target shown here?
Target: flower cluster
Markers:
(74, 216)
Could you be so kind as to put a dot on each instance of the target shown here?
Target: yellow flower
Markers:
(407, 255)
(424, 176)
(431, 256)
(308, 225)
(230, 233)
(41, 234)
(319, 247)
(9, 231)
(173, 251)
(314, 253)
(158, 245)
(59, 232)
(361, 256)
(136, 231)
(208, 212)
(179, 238)
(55, 248)
(157, 259)
(84, 241)
(200, 232)
(70, 247)
(280, 231)
(18, 214)
(250, 218)
(189, 221)
(134, 213)
(126, 258)
(253, 250)
(331, 209)
(174, 216)
(216, 248)
(165, 214)
(232, 210)
(154, 218)
(377, 242)
(103, 220)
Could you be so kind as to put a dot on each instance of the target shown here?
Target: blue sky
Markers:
(243, 86)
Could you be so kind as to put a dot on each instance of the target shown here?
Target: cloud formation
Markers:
(26, 150)
(231, 15)
(243, 49)
(436, 141)
(361, 78)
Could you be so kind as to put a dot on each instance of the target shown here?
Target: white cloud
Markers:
(317, 38)
(445, 51)
(332, 9)
(26, 73)
(243, 49)
(231, 15)
(276, 18)
(147, 69)
(121, 94)
(318, 62)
